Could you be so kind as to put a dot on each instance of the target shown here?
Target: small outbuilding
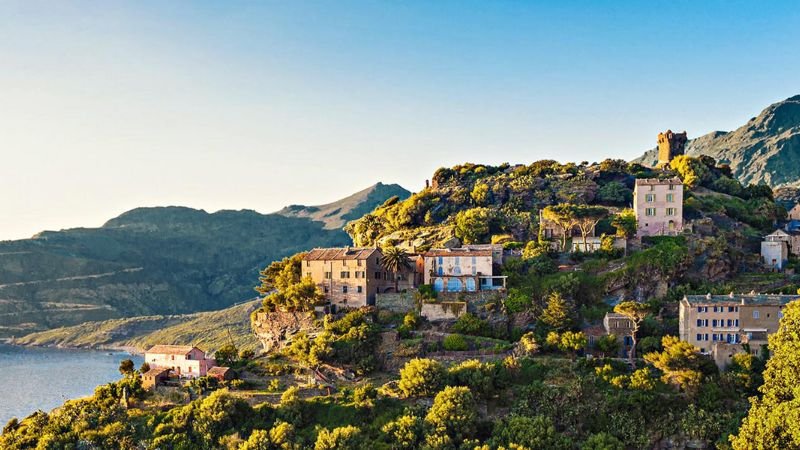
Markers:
(155, 377)
(222, 373)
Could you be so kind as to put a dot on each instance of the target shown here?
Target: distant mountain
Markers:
(151, 261)
(208, 330)
(764, 150)
(335, 215)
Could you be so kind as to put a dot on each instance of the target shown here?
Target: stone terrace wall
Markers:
(401, 302)
(443, 310)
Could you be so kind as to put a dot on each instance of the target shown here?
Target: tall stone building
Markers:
(670, 145)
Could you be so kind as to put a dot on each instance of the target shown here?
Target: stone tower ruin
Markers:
(670, 145)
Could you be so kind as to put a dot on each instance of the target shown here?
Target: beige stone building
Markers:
(622, 327)
(718, 325)
(461, 270)
(348, 277)
(659, 206)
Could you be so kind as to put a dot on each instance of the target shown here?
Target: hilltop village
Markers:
(550, 306)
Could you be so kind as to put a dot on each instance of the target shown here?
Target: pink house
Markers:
(185, 361)
(659, 206)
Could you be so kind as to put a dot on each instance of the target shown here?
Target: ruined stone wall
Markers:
(402, 302)
(443, 310)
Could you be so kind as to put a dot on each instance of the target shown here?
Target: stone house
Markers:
(350, 277)
(461, 270)
(184, 360)
(775, 250)
(155, 377)
(658, 205)
(794, 212)
(222, 373)
(620, 326)
(791, 237)
(718, 325)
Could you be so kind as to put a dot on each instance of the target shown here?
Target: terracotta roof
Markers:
(674, 180)
(217, 370)
(457, 252)
(171, 349)
(156, 371)
(339, 254)
(742, 299)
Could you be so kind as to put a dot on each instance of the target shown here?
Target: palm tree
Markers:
(394, 260)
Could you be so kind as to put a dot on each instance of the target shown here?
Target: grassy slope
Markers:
(207, 330)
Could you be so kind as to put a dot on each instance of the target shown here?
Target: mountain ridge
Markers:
(764, 150)
(151, 261)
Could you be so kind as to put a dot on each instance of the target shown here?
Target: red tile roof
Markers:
(171, 349)
(457, 252)
(339, 254)
(217, 370)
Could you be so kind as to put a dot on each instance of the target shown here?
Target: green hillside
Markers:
(152, 261)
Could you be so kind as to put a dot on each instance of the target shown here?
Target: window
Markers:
(650, 198)
(474, 261)
(377, 275)
(715, 310)
(714, 337)
(358, 274)
(730, 323)
(699, 322)
(672, 211)
(699, 309)
(755, 314)
(671, 198)
(327, 275)
(671, 187)
(651, 187)
(345, 274)
(714, 323)
(650, 212)
(730, 308)
(358, 289)
(358, 263)
(705, 337)
(308, 263)
(458, 261)
(441, 260)
(699, 337)
(325, 289)
(308, 274)
(344, 289)
(736, 323)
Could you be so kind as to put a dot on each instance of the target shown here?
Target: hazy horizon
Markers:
(112, 106)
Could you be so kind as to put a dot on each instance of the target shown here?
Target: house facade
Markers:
(791, 237)
(348, 277)
(461, 270)
(718, 325)
(622, 327)
(774, 252)
(659, 206)
(183, 360)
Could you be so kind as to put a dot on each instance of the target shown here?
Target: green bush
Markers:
(470, 324)
(455, 343)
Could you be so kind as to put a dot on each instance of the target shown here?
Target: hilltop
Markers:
(336, 214)
(764, 150)
(153, 261)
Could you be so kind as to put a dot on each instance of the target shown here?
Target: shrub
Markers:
(453, 414)
(528, 344)
(341, 438)
(477, 376)
(470, 324)
(421, 377)
(455, 343)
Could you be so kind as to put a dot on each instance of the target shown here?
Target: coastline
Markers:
(132, 350)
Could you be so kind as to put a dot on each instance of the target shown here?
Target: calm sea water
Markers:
(43, 378)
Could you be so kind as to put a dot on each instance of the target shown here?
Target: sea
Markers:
(43, 378)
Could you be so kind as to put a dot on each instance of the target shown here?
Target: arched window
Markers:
(457, 270)
(471, 284)
(438, 285)
(454, 285)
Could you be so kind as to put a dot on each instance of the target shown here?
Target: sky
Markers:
(108, 106)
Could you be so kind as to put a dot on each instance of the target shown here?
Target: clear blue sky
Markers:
(105, 106)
